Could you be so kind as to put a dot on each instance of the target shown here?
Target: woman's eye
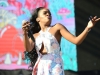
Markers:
(45, 12)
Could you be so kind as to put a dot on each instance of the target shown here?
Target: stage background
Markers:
(89, 50)
(13, 12)
(87, 57)
(88, 53)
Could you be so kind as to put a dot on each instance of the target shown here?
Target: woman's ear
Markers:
(37, 19)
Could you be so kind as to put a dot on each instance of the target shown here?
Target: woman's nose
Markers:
(48, 14)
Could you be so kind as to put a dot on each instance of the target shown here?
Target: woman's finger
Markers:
(93, 19)
(97, 19)
(26, 25)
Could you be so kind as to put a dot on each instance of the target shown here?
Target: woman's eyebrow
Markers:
(45, 11)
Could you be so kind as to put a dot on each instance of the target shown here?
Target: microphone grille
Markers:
(24, 21)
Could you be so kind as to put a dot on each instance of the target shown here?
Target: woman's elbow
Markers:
(29, 48)
(77, 43)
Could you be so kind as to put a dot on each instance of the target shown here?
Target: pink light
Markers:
(64, 11)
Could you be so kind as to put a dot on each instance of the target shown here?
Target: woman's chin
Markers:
(48, 23)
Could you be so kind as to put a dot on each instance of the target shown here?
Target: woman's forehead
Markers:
(44, 9)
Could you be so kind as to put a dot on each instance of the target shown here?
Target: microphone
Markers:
(31, 24)
(24, 21)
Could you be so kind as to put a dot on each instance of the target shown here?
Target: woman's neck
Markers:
(44, 28)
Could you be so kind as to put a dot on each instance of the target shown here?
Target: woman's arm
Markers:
(79, 39)
(70, 37)
(28, 43)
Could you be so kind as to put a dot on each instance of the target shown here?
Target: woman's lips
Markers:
(49, 17)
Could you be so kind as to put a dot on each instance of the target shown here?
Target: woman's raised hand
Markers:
(92, 22)
(25, 26)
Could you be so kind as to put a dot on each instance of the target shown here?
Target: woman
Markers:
(47, 40)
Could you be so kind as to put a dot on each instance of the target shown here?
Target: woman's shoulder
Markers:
(57, 25)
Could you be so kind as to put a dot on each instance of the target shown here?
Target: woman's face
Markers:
(44, 16)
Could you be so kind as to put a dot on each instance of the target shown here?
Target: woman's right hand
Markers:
(28, 43)
(25, 26)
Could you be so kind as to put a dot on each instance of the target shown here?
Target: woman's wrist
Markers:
(88, 29)
(25, 33)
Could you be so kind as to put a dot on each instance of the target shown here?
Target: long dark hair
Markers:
(35, 27)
